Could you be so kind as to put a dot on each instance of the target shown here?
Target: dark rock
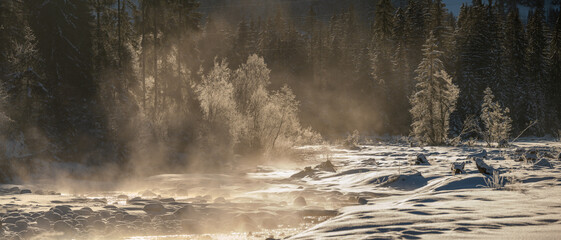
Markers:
(483, 167)
(12, 219)
(154, 208)
(15, 190)
(420, 160)
(326, 166)
(85, 211)
(135, 199)
(458, 168)
(185, 212)
(63, 209)
(130, 218)
(63, 226)
(167, 200)
(543, 163)
(559, 157)
(43, 222)
(530, 156)
(21, 225)
(104, 214)
(98, 225)
(362, 201)
(122, 197)
(24, 191)
(307, 172)
(300, 202)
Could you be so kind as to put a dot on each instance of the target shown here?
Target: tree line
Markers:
(104, 79)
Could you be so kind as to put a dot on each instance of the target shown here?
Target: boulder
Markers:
(21, 225)
(85, 211)
(154, 208)
(458, 168)
(98, 225)
(307, 172)
(43, 222)
(543, 163)
(362, 201)
(185, 212)
(300, 202)
(63, 209)
(24, 191)
(122, 197)
(52, 216)
(326, 166)
(530, 156)
(483, 167)
(63, 226)
(420, 160)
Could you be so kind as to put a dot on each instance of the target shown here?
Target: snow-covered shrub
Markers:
(216, 96)
(242, 113)
(495, 118)
(495, 181)
(352, 140)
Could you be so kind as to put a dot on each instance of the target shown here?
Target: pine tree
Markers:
(25, 80)
(382, 56)
(554, 69)
(514, 68)
(434, 99)
(536, 64)
(495, 118)
(402, 78)
(63, 29)
(476, 50)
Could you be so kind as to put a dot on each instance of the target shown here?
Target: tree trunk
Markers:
(156, 82)
(143, 43)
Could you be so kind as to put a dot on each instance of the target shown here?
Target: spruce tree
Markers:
(513, 67)
(434, 99)
(495, 118)
(555, 70)
(382, 55)
(536, 64)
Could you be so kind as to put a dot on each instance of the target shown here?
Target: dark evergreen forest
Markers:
(112, 81)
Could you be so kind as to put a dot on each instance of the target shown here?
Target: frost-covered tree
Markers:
(495, 118)
(434, 99)
(25, 67)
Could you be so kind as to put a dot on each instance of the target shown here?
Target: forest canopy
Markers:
(97, 81)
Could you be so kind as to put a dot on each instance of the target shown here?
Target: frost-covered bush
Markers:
(216, 96)
(495, 118)
(352, 140)
(495, 181)
(241, 112)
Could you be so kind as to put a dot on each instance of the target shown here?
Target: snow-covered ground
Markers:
(375, 192)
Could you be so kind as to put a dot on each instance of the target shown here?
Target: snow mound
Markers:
(406, 181)
(463, 183)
